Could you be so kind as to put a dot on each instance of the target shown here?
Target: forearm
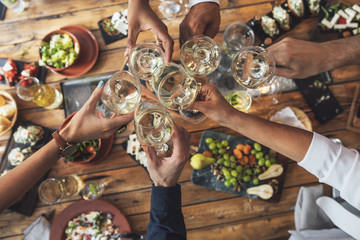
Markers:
(19, 180)
(289, 141)
(341, 52)
(137, 3)
(166, 218)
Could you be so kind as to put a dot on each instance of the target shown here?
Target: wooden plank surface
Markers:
(208, 214)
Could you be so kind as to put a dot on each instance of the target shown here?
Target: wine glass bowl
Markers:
(144, 58)
(153, 124)
(122, 93)
(174, 87)
(200, 56)
(236, 37)
(173, 9)
(253, 67)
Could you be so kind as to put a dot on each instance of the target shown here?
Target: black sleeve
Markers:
(166, 218)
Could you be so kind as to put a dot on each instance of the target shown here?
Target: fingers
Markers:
(284, 72)
(131, 40)
(166, 41)
(96, 95)
(181, 140)
(118, 121)
(185, 34)
(150, 153)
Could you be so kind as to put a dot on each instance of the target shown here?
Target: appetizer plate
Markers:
(206, 178)
(20, 66)
(9, 100)
(300, 114)
(106, 37)
(87, 58)
(58, 228)
(27, 204)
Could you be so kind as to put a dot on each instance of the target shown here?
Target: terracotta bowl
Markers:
(9, 100)
(65, 122)
(47, 38)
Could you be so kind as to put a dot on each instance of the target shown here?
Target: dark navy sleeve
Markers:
(166, 218)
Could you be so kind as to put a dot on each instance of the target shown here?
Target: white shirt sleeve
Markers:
(194, 2)
(336, 166)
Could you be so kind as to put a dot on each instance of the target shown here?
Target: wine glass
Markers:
(144, 58)
(121, 95)
(177, 90)
(173, 8)
(154, 126)
(253, 67)
(236, 37)
(200, 56)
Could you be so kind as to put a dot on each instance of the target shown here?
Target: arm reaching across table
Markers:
(300, 59)
(331, 163)
(85, 125)
(166, 218)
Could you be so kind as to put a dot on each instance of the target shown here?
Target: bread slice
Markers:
(282, 17)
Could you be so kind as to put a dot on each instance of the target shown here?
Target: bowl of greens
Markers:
(59, 50)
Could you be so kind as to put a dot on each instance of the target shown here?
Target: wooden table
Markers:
(208, 214)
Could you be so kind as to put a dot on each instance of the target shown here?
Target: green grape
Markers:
(273, 160)
(234, 173)
(209, 140)
(233, 181)
(239, 177)
(226, 156)
(232, 158)
(257, 171)
(225, 143)
(215, 151)
(220, 161)
(226, 163)
(222, 151)
(267, 157)
(257, 147)
(212, 146)
(268, 163)
(253, 152)
(225, 172)
(232, 165)
(239, 168)
(246, 178)
(249, 171)
(219, 145)
(259, 155)
(261, 162)
(255, 181)
(227, 183)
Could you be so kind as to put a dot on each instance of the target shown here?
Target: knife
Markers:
(128, 235)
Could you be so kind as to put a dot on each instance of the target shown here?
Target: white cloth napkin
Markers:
(308, 215)
(288, 117)
(324, 234)
(38, 230)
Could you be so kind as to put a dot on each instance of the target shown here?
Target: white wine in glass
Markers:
(200, 56)
(253, 67)
(122, 93)
(175, 88)
(144, 58)
(153, 125)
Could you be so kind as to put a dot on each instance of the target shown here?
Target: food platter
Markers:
(57, 231)
(11, 101)
(206, 177)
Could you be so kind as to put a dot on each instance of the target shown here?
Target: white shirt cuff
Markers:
(194, 2)
(335, 165)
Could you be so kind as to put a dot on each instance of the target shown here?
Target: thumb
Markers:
(96, 95)
(200, 106)
(131, 41)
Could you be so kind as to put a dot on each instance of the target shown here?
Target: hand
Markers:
(213, 104)
(87, 125)
(202, 19)
(166, 171)
(141, 18)
(299, 59)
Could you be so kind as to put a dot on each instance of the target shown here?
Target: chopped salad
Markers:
(60, 52)
(87, 150)
(94, 225)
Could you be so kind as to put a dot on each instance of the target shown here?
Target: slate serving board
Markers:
(27, 204)
(205, 177)
(106, 37)
(20, 66)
